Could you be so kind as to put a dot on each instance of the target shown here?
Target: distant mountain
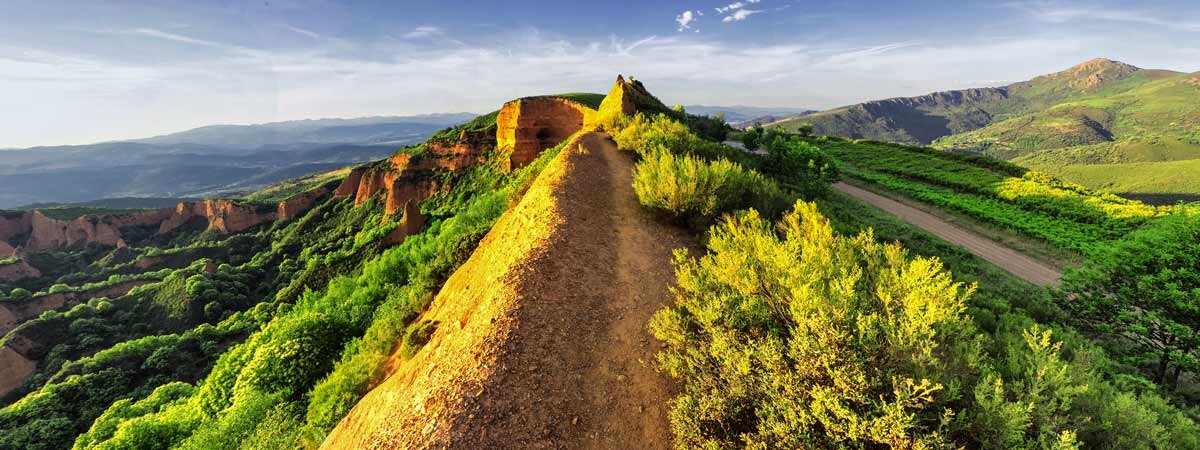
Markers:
(921, 120)
(738, 115)
(366, 130)
(207, 160)
(1102, 123)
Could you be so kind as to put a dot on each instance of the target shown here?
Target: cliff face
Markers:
(298, 204)
(18, 270)
(16, 369)
(629, 97)
(224, 216)
(13, 224)
(46, 232)
(6, 250)
(37, 231)
(405, 180)
(526, 127)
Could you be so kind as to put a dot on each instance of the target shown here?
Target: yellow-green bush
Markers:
(690, 189)
(814, 340)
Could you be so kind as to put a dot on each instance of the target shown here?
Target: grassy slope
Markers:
(1141, 140)
(282, 191)
(918, 120)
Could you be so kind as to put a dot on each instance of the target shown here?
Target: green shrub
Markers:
(813, 340)
(692, 190)
(798, 165)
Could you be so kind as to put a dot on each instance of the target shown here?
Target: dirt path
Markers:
(578, 366)
(1018, 264)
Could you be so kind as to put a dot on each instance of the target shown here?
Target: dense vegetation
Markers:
(812, 333)
(1062, 214)
(806, 338)
(1140, 295)
(309, 361)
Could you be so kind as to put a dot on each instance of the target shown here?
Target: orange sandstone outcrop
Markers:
(15, 368)
(18, 270)
(7, 251)
(37, 231)
(298, 204)
(406, 179)
(224, 216)
(629, 97)
(527, 126)
(13, 224)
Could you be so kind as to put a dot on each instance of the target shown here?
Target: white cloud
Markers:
(1059, 13)
(729, 7)
(423, 31)
(685, 19)
(740, 15)
(298, 30)
(735, 5)
(151, 32)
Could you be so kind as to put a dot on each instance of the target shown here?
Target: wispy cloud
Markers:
(159, 34)
(740, 15)
(737, 11)
(423, 31)
(686, 18)
(1060, 12)
(298, 30)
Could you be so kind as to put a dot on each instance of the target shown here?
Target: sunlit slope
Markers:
(1159, 120)
(923, 119)
(471, 311)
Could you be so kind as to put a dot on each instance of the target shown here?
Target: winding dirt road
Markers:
(1018, 264)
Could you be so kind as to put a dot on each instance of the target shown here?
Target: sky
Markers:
(75, 72)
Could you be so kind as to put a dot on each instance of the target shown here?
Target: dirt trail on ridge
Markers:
(542, 340)
(580, 360)
(1018, 264)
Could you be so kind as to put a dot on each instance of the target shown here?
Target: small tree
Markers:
(1144, 290)
(797, 164)
(805, 129)
(750, 138)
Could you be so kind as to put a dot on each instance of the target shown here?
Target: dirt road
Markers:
(1018, 264)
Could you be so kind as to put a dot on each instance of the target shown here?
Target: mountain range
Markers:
(206, 161)
(743, 116)
(1104, 124)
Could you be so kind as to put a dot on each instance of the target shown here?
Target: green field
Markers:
(1064, 215)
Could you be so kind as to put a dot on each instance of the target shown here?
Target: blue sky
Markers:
(80, 72)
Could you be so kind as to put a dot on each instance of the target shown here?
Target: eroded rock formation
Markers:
(628, 97)
(14, 369)
(406, 179)
(37, 231)
(525, 127)
(18, 270)
(7, 251)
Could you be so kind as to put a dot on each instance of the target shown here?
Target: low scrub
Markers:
(692, 190)
(794, 336)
